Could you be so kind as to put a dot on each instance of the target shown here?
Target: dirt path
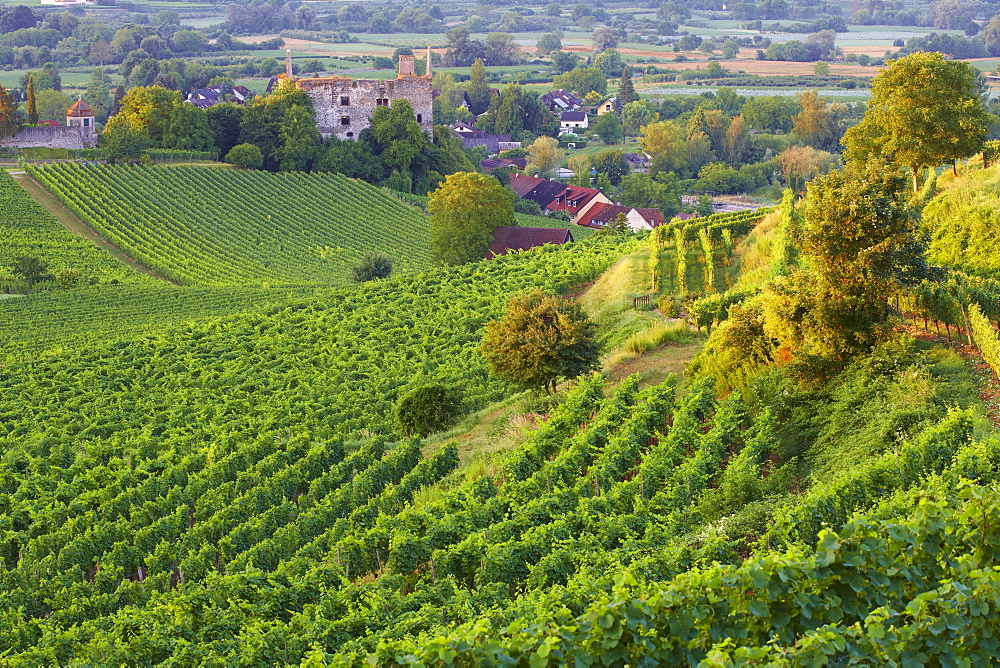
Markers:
(51, 204)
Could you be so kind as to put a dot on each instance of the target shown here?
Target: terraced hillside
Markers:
(228, 227)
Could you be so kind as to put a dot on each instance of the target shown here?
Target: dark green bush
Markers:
(371, 266)
(428, 408)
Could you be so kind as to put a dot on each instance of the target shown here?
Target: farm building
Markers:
(508, 239)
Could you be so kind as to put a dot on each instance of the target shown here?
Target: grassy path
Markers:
(51, 204)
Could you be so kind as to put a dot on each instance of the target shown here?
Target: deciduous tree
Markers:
(814, 124)
(940, 120)
(8, 114)
(539, 340)
(608, 128)
(604, 38)
(479, 87)
(666, 143)
(545, 154)
(854, 225)
(465, 210)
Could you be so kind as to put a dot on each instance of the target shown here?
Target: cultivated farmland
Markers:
(226, 227)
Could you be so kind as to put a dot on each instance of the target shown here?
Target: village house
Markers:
(555, 196)
(638, 162)
(559, 101)
(610, 106)
(572, 121)
(203, 98)
(600, 214)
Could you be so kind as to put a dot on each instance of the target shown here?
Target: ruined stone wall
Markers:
(53, 137)
(344, 107)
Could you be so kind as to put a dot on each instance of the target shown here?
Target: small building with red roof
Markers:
(507, 239)
(601, 215)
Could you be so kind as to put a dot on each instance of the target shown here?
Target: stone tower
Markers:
(407, 66)
(80, 115)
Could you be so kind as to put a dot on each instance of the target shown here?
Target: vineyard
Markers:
(89, 316)
(233, 227)
(214, 473)
(285, 547)
(29, 230)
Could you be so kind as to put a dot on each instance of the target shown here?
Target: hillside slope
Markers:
(233, 227)
(27, 229)
(962, 222)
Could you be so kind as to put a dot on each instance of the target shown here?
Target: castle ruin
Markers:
(344, 106)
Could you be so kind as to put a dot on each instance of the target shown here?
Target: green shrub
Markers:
(371, 266)
(428, 408)
(669, 306)
(248, 156)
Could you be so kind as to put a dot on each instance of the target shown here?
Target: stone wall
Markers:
(344, 106)
(53, 137)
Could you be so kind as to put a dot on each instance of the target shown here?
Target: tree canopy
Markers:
(465, 210)
(539, 340)
(924, 111)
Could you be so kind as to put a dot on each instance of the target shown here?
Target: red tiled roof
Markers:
(507, 239)
(573, 199)
(80, 108)
(552, 195)
(652, 216)
(601, 214)
(489, 164)
(522, 184)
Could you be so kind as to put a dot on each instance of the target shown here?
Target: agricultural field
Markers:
(777, 441)
(230, 227)
(29, 230)
(59, 320)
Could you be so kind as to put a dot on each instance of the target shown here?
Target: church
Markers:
(344, 106)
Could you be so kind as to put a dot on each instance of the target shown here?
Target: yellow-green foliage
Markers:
(985, 337)
(680, 254)
(654, 258)
(963, 221)
(608, 302)
(659, 335)
(706, 248)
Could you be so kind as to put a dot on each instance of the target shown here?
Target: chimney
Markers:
(429, 62)
(288, 63)
(406, 66)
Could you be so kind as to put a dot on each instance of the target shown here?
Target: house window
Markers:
(350, 134)
(86, 122)
(420, 118)
(345, 120)
(344, 100)
(382, 102)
